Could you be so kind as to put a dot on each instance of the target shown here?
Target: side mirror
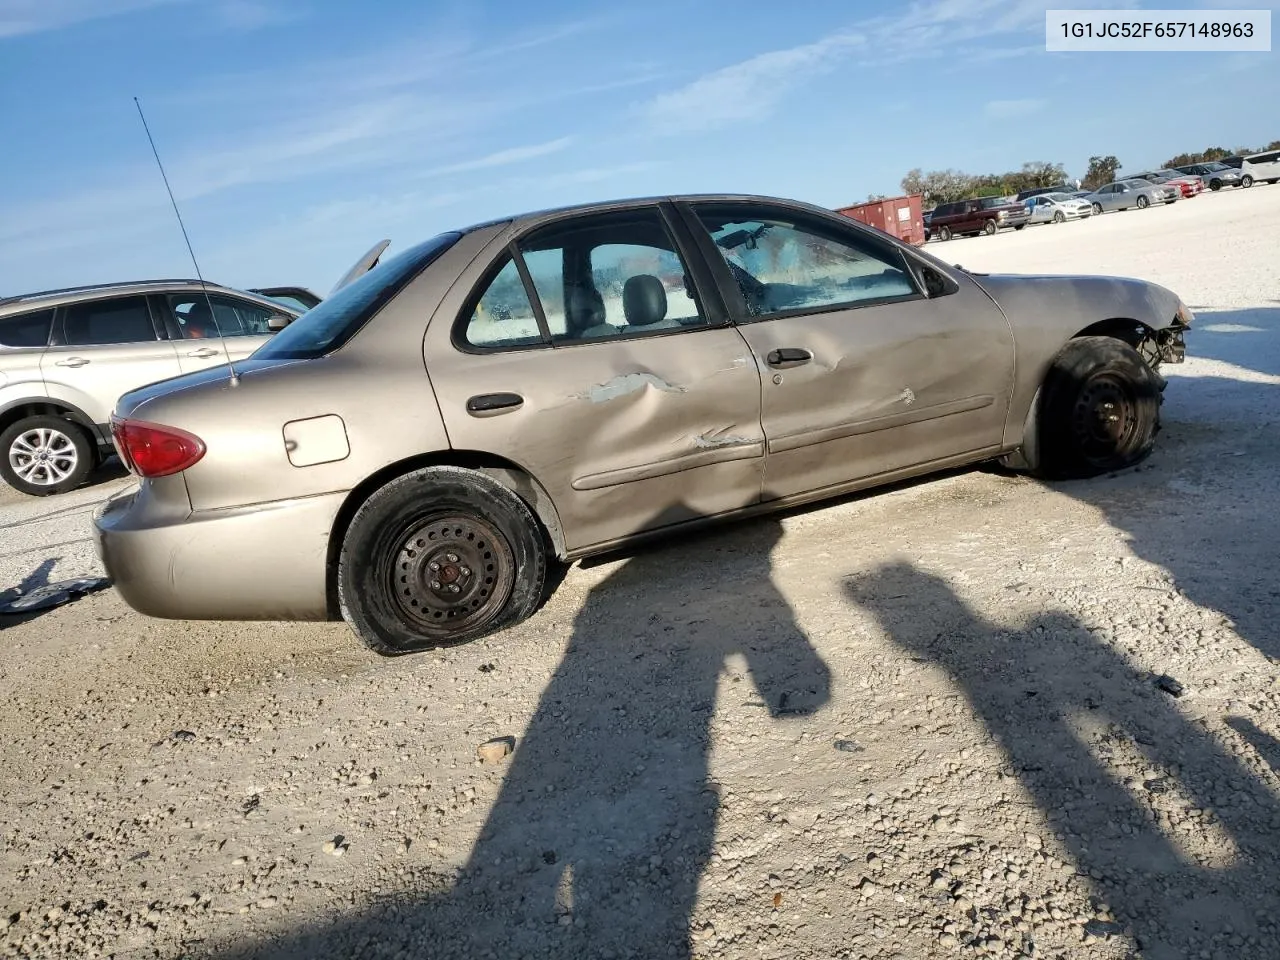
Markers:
(277, 322)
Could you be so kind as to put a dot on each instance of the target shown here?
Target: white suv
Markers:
(66, 356)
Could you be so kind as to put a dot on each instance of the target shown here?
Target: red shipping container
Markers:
(901, 217)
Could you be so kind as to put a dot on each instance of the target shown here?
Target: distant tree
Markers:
(1040, 173)
(873, 197)
(1204, 156)
(1273, 145)
(913, 182)
(1101, 170)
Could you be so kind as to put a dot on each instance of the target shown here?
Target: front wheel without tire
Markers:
(45, 455)
(438, 557)
(1099, 410)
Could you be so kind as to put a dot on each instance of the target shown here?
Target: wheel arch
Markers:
(1135, 333)
(506, 472)
(16, 410)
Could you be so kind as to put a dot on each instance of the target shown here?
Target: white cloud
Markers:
(748, 90)
(502, 158)
(1011, 109)
(753, 89)
(18, 17)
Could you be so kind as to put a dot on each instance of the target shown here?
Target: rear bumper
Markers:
(263, 562)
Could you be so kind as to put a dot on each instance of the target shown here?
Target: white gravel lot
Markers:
(919, 723)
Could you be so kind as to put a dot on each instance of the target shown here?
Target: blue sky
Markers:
(296, 133)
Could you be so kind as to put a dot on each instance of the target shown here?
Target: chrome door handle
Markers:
(72, 362)
(203, 352)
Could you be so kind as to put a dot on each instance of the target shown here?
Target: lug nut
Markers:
(435, 584)
(433, 566)
(454, 588)
(465, 571)
(451, 557)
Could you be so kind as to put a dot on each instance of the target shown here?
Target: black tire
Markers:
(1097, 209)
(1021, 226)
(1246, 181)
(487, 544)
(1059, 216)
(1099, 409)
(41, 469)
(1143, 203)
(990, 228)
(944, 233)
(1215, 185)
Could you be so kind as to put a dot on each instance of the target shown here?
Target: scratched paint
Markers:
(627, 383)
(718, 438)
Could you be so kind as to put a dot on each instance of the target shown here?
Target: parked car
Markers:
(1057, 208)
(980, 215)
(655, 364)
(1039, 191)
(302, 299)
(1216, 175)
(1188, 185)
(1256, 167)
(67, 355)
(1127, 194)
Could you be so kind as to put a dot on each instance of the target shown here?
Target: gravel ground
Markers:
(919, 723)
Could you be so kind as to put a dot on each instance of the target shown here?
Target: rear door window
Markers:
(26, 329)
(106, 322)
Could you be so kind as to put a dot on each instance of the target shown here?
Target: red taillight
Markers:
(153, 450)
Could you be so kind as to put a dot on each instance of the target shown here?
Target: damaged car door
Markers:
(600, 361)
(873, 361)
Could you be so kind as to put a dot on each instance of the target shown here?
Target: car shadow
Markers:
(607, 814)
(1176, 835)
(1202, 507)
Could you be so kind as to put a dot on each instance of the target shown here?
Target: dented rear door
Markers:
(629, 426)
(864, 374)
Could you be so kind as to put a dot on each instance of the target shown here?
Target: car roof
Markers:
(64, 295)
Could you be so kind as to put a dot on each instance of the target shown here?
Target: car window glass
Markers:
(546, 270)
(26, 329)
(783, 265)
(503, 316)
(102, 322)
(610, 275)
(199, 319)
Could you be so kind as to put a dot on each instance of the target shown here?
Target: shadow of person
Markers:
(1202, 507)
(37, 578)
(1177, 835)
(607, 815)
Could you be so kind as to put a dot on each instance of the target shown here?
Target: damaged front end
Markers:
(1167, 345)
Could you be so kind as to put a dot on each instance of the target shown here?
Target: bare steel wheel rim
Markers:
(43, 456)
(1105, 418)
(452, 573)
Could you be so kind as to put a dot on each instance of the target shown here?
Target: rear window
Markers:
(26, 329)
(327, 326)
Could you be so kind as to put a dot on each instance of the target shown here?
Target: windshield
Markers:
(331, 323)
(1215, 167)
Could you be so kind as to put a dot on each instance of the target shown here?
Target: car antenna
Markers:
(222, 341)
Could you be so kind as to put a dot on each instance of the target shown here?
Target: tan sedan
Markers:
(421, 450)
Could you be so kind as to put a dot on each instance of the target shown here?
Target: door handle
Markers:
(788, 357)
(72, 362)
(492, 404)
(203, 352)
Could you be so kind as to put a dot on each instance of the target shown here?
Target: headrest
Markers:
(644, 300)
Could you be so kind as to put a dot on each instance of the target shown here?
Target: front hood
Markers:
(134, 399)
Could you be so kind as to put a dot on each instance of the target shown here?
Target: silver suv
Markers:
(67, 355)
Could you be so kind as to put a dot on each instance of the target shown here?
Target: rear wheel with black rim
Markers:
(439, 557)
(1099, 410)
(1215, 185)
